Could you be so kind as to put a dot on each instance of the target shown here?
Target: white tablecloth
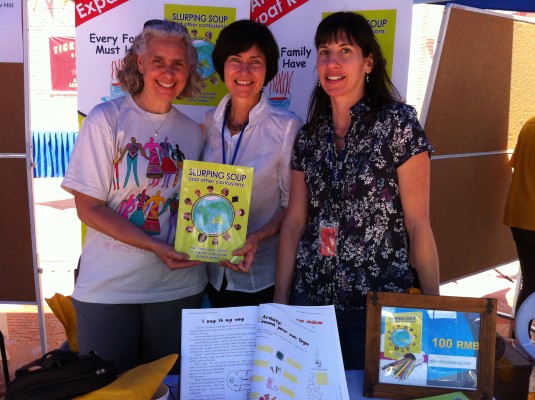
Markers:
(354, 384)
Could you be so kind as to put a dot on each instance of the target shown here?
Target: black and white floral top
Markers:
(373, 248)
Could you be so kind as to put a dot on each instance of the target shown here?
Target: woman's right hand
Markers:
(248, 251)
(96, 214)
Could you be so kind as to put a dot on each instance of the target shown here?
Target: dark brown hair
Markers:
(356, 29)
(240, 36)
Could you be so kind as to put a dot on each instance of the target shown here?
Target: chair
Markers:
(4, 358)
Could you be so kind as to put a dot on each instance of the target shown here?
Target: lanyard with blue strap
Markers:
(227, 112)
(336, 178)
(328, 229)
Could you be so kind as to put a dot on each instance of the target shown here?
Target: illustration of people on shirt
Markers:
(152, 219)
(138, 217)
(179, 157)
(116, 161)
(168, 166)
(172, 205)
(133, 149)
(154, 169)
(127, 206)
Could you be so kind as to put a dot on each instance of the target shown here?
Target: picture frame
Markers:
(420, 346)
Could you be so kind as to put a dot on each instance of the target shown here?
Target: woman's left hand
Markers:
(248, 251)
(171, 258)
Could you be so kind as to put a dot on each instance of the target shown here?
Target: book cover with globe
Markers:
(213, 211)
(402, 334)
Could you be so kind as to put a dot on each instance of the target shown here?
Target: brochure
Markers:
(268, 352)
(449, 396)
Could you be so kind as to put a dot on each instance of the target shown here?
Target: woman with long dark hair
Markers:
(358, 215)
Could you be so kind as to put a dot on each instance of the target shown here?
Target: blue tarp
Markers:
(508, 5)
(51, 153)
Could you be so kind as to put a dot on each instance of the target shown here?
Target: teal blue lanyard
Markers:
(336, 178)
(223, 139)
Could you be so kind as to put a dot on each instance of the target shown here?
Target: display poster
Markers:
(294, 25)
(204, 24)
(429, 348)
(105, 31)
(11, 47)
(62, 63)
(213, 210)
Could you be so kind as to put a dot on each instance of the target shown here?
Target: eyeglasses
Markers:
(162, 22)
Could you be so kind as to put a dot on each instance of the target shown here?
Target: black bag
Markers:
(60, 375)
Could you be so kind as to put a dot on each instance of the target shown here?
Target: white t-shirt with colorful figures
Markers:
(119, 158)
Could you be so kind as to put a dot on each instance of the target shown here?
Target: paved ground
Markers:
(58, 245)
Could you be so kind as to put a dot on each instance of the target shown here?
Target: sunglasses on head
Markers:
(157, 22)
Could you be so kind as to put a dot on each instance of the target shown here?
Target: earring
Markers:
(319, 83)
(367, 78)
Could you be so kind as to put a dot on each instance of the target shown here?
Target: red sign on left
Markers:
(63, 63)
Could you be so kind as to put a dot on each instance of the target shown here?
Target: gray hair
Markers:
(131, 80)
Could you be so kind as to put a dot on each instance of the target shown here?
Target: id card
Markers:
(328, 233)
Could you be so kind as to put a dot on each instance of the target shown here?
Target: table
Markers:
(354, 384)
(354, 378)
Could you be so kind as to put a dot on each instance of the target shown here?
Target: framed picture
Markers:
(421, 346)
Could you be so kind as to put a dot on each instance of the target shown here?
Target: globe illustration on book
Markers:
(204, 53)
(213, 215)
(401, 337)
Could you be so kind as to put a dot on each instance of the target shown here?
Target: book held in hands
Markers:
(213, 211)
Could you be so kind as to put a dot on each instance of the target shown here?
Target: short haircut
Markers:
(240, 36)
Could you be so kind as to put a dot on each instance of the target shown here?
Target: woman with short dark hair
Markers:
(246, 130)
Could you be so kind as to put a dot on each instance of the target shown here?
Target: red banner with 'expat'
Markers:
(269, 11)
(85, 10)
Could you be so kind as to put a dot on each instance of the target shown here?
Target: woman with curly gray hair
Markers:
(131, 78)
(132, 283)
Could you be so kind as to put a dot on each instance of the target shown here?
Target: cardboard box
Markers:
(511, 374)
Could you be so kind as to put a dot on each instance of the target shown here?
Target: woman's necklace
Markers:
(157, 130)
(339, 138)
(232, 128)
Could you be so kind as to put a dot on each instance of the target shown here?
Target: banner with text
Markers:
(294, 24)
(104, 34)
